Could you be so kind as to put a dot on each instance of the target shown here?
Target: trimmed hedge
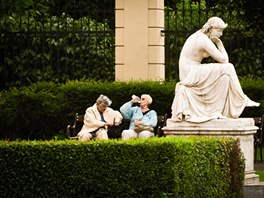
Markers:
(156, 167)
(43, 110)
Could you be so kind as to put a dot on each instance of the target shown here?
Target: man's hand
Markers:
(135, 99)
(108, 124)
(137, 122)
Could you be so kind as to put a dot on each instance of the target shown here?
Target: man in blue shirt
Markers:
(142, 119)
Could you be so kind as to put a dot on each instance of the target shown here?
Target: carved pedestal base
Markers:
(242, 128)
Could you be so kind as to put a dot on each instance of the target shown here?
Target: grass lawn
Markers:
(261, 175)
(260, 172)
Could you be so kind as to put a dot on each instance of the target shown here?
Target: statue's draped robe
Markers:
(206, 91)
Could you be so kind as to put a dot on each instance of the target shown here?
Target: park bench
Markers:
(114, 131)
(258, 137)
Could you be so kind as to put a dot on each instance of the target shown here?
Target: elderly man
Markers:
(97, 119)
(142, 119)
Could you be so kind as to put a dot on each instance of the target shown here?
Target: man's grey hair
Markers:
(103, 100)
(148, 98)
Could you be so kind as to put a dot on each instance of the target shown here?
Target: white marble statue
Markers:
(207, 91)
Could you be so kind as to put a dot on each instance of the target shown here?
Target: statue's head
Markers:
(213, 22)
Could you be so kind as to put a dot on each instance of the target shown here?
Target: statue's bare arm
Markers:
(216, 50)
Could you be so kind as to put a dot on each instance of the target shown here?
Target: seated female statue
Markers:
(212, 90)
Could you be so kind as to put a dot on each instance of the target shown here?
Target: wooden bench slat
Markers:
(78, 119)
(258, 137)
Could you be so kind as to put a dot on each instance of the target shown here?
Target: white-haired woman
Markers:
(207, 91)
(142, 119)
(97, 119)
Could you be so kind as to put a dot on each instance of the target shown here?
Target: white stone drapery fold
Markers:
(207, 91)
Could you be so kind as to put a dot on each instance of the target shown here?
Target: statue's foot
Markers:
(177, 118)
(222, 117)
(251, 103)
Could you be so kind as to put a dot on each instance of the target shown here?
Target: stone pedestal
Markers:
(242, 128)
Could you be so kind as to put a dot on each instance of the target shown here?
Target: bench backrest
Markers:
(259, 122)
(72, 130)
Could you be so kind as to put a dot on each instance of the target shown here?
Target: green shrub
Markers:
(43, 110)
(156, 167)
(254, 89)
(78, 95)
(31, 112)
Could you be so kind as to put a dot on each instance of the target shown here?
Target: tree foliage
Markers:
(38, 44)
(243, 38)
(247, 11)
(57, 40)
(250, 11)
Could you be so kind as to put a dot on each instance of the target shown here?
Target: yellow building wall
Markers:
(139, 50)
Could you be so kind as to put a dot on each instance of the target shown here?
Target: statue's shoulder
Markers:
(201, 35)
(198, 37)
(202, 38)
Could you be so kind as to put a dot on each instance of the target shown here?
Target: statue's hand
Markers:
(216, 40)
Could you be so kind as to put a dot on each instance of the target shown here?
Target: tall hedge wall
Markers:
(43, 110)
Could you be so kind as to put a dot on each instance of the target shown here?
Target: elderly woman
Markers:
(97, 119)
(207, 91)
(142, 119)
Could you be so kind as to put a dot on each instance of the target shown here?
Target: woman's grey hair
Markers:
(148, 98)
(103, 100)
(213, 22)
